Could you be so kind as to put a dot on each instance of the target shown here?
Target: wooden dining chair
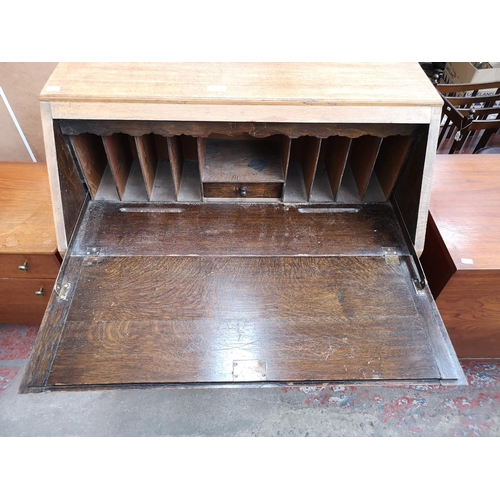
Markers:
(466, 112)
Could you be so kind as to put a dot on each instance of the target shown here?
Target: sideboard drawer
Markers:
(28, 266)
(24, 300)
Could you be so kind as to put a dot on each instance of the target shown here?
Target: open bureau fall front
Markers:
(240, 223)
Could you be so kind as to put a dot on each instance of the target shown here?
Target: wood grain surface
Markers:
(363, 84)
(465, 205)
(362, 158)
(436, 259)
(176, 161)
(306, 317)
(310, 157)
(408, 192)
(461, 256)
(391, 157)
(242, 161)
(206, 128)
(235, 229)
(470, 307)
(38, 265)
(235, 190)
(74, 194)
(161, 147)
(90, 153)
(19, 303)
(148, 158)
(120, 159)
(26, 219)
(286, 147)
(335, 161)
(51, 328)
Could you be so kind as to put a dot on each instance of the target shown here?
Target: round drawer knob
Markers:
(40, 293)
(243, 191)
(23, 267)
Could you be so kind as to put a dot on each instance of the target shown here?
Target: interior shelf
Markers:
(242, 161)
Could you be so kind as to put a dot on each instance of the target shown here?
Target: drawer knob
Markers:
(40, 292)
(243, 191)
(23, 267)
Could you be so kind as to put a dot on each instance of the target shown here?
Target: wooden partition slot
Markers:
(310, 156)
(390, 159)
(120, 159)
(201, 143)
(176, 161)
(148, 158)
(286, 146)
(337, 152)
(189, 147)
(161, 147)
(364, 151)
(91, 156)
(133, 147)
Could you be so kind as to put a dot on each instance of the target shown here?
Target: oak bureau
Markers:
(240, 223)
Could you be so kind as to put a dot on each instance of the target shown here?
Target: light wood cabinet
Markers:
(29, 260)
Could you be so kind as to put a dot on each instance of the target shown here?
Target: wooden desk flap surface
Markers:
(26, 220)
(354, 84)
(465, 204)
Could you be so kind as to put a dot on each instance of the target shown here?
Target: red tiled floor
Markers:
(16, 341)
(387, 410)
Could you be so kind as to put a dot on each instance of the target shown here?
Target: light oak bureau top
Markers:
(330, 84)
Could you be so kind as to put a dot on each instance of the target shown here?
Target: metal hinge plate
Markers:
(419, 286)
(63, 291)
(391, 256)
(93, 251)
(249, 370)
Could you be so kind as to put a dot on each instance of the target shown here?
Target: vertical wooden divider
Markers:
(286, 146)
(391, 157)
(201, 158)
(337, 151)
(133, 148)
(176, 161)
(364, 151)
(310, 156)
(91, 156)
(161, 147)
(120, 159)
(148, 159)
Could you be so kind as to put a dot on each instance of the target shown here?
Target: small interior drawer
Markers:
(29, 266)
(242, 190)
(20, 302)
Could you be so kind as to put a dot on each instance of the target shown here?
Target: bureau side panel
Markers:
(73, 192)
(55, 190)
(425, 193)
(66, 186)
